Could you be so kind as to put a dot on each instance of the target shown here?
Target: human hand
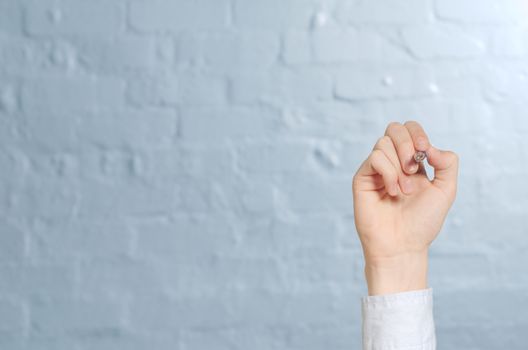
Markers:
(398, 211)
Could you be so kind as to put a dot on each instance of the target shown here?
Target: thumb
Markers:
(445, 164)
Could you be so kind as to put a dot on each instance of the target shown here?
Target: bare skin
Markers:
(398, 211)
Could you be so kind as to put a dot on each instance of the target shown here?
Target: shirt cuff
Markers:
(399, 321)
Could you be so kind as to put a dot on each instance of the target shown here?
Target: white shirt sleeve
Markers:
(399, 321)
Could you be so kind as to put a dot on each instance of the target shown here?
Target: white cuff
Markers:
(399, 321)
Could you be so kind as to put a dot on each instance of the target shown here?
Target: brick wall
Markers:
(176, 174)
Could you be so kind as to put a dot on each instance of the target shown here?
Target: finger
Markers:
(378, 163)
(386, 145)
(404, 146)
(445, 164)
(418, 135)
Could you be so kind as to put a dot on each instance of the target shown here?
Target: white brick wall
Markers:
(176, 174)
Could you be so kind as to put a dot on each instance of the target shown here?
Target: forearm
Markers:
(401, 273)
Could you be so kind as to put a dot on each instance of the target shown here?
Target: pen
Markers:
(420, 156)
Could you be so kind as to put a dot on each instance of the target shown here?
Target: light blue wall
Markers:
(176, 174)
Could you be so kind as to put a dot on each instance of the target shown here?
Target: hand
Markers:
(398, 211)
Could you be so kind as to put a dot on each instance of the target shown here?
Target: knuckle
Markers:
(392, 126)
(453, 156)
(421, 137)
(412, 123)
(407, 146)
(354, 182)
(377, 154)
(386, 140)
(382, 142)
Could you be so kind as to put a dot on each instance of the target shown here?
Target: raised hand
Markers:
(398, 211)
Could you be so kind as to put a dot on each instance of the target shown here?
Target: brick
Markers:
(14, 320)
(62, 129)
(335, 337)
(489, 11)
(119, 277)
(14, 54)
(74, 18)
(277, 157)
(163, 16)
(9, 99)
(478, 337)
(274, 14)
(329, 120)
(58, 95)
(318, 268)
(80, 239)
(295, 238)
(296, 47)
(39, 197)
(43, 279)
(131, 341)
(201, 161)
(110, 164)
(508, 42)
(13, 243)
(503, 85)
(11, 17)
(390, 83)
(460, 271)
(443, 42)
(300, 198)
(225, 274)
(281, 86)
(225, 339)
(159, 312)
(125, 198)
(189, 89)
(59, 317)
(13, 168)
(336, 46)
(315, 308)
(177, 89)
(145, 129)
(511, 112)
(385, 12)
(119, 55)
(176, 239)
(341, 45)
(228, 51)
(478, 308)
(459, 81)
(203, 124)
(41, 342)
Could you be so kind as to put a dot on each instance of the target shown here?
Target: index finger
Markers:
(418, 135)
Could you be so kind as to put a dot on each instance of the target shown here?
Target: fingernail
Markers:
(407, 185)
(393, 190)
(413, 168)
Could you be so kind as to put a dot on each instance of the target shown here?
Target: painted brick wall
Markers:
(176, 174)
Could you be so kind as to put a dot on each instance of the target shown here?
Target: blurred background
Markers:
(176, 174)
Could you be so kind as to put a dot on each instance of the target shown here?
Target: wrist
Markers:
(395, 274)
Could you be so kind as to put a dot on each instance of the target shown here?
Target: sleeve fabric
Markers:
(399, 321)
